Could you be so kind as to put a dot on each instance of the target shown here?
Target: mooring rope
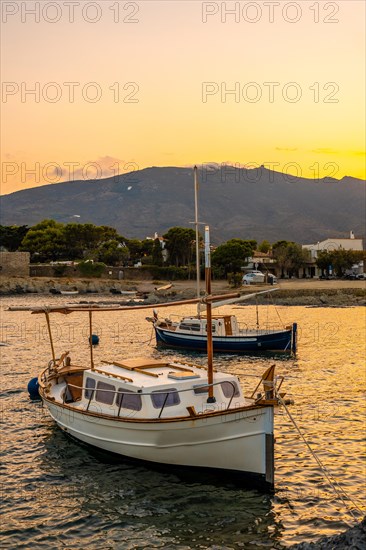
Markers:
(151, 336)
(340, 492)
(270, 297)
(148, 341)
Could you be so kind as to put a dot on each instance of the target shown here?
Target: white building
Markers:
(351, 243)
(334, 244)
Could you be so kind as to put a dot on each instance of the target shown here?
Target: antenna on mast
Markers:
(210, 398)
(197, 235)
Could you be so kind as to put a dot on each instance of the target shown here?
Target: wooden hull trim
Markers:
(122, 419)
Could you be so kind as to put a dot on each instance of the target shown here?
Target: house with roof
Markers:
(328, 245)
(262, 261)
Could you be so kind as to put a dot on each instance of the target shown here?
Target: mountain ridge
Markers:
(255, 203)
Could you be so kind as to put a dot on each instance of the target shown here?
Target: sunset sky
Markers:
(144, 85)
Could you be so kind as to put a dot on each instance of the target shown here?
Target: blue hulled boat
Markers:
(190, 333)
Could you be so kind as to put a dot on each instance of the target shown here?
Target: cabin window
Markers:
(228, 389)
(190, 326)
(130, 400)
(105, 393)
(200, 389)
(213, 328)
(90, 383)
(158, 397)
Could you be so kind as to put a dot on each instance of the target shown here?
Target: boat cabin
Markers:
(147, 388)
(224, 325)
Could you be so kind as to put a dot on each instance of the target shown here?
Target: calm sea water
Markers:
(59, 494)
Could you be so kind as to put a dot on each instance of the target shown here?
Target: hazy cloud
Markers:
(99, 168)
(358, 153)
(325, 151)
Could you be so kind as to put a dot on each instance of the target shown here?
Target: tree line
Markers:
(53, 241)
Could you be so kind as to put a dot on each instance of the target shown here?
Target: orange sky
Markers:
(119, 86)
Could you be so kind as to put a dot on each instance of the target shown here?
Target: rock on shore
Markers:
(354, 538)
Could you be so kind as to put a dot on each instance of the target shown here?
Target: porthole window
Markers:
(190, 326)
(126, 399)
(158, 398)
(90, 383)
(200, 389)
(105, 393)
(228, 388)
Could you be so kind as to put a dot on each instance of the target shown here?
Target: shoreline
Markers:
(294, 292)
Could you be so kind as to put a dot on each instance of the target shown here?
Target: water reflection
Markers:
(116, 491)
(59, 493)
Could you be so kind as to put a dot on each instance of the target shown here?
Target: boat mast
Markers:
(211, 398)
(91, 340)
(197, 235)
(46, 312)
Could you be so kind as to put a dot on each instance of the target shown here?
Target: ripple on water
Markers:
(58, 493)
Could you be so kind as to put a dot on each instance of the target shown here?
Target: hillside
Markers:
(255, 204)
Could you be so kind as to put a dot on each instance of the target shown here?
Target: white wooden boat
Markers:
(162, 411)
(157, 411)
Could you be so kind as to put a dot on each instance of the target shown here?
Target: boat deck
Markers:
(144, 372)
(178, 388)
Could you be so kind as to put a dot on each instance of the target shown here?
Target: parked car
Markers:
(350, 276)
(361, 276)
(256, 276)
(253, 277)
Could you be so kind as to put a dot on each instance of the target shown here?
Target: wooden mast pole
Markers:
(91, 340)
(197, 235)
(50, 335)
(211, 398)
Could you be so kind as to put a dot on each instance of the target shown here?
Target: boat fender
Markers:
(33, 387)
(94, 339)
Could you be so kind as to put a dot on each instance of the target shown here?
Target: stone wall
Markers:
(14, 264)
(72, 271)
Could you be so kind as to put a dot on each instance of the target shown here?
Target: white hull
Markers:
(162, 412)
(236, 440)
